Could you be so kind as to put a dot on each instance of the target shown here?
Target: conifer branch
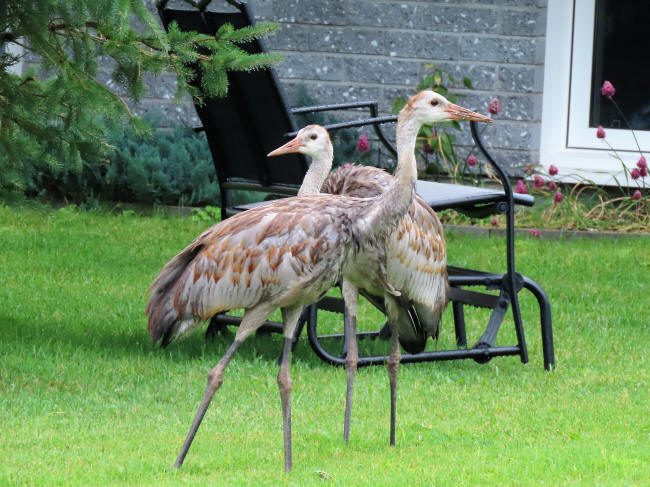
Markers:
(57, 117)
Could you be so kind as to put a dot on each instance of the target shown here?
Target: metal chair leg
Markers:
(519, 328)
(459, 324)
(546, 323)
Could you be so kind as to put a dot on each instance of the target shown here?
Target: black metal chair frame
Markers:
(474, 201)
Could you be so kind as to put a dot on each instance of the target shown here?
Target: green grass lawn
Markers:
(86, 400)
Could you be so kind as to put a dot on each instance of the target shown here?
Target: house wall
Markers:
(348, 50)
(354, 50)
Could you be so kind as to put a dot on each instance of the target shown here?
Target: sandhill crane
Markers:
(416, 251)
(416, 257)
(285, 255)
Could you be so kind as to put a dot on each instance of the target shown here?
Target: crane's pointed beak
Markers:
(457, 112)
(290, 147)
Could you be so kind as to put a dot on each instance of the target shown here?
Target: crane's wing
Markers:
(417, 263)
(284, 251)
(359, 181)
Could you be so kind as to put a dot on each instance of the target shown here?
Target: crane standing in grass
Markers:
(285, 255)
(415, 258)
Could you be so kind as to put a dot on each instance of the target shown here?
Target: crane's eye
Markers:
(434, 103)
(313, 136)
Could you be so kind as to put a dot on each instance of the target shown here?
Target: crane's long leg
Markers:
(350, 296)
(290, 317)
(393, 363)
(253, 319)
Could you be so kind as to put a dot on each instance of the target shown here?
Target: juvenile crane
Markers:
(416, 261)
(416, 264)
(285, 255)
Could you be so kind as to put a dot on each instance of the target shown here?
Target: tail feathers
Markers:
(165, 317)
(411, 333)
(430, 319)
(415, 324)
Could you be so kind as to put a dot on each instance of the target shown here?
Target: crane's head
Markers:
(428, 107)
(312, 140)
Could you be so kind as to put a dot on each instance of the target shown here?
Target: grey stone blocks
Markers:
(349, 50)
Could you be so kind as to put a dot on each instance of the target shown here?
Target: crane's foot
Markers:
(350, 296)
(351, 361)
(351, 371)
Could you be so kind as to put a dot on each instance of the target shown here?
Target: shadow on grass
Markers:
(19, 333)
(53, 338)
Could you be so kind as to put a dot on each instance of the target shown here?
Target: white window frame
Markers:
(567, 140)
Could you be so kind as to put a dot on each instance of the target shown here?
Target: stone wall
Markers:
(348, 50)
(353, 50)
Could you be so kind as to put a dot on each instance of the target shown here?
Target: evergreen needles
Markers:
(57, 115)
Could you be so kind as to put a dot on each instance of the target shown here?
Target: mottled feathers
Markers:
(286, 252)
(416, 254)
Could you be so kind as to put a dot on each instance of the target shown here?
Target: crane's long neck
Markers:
(321, 164)
(394, 203)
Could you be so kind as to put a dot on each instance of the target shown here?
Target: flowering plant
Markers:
(584, 204)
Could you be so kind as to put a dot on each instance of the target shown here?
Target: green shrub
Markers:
(172, 167)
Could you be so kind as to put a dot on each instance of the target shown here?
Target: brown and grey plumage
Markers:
(416, 255)
(412, 264)
(267, 254)
(415, 261)
(285, 255)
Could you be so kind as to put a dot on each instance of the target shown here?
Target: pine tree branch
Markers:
(62, 29)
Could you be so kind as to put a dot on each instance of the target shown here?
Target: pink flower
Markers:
(494, 222)
(636, 195)
(600, 132)
(521, 187)
(535, 232)
(363, 144)
(552, 185)
(643, 171)
(471, 160)
(642, 163)
(607, 89)
(635, 173)
(558, 197)
(538, 181)
(494, 107)
(553, 170)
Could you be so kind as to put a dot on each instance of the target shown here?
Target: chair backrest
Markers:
(251, 120)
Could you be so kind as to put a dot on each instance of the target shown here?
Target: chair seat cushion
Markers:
(443, 195)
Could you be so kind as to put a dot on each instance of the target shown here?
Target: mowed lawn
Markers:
(86, 400)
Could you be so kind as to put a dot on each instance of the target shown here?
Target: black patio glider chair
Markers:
(254, 119)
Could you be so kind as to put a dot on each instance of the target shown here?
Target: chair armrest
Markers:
(372, 105)
(502, 175)
(376, 122)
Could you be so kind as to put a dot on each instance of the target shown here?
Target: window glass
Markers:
(622, 56)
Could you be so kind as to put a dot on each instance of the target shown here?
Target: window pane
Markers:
(622, 56)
